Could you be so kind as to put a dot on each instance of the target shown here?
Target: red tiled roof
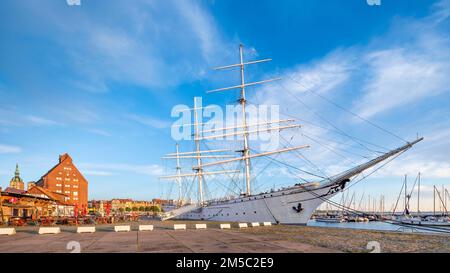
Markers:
(60, 197)
(14, 190)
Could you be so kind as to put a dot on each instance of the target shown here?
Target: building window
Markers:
(75, 198)
(58, 191)
(75, 193)
(75, 186)
(67, 185)
(75, 179)
(67, 179)
(58, 178)
(67, 192)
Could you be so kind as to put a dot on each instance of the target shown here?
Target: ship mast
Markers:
(243, 102)
(178, 178)
(198, 155)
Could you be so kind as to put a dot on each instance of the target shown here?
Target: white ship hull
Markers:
(289, 206)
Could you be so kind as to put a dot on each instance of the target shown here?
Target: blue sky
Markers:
(99, 81)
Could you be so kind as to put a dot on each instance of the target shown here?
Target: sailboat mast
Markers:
(243, 102)
(406, 192)
(418, 196)
(434, 200)
(198, 155)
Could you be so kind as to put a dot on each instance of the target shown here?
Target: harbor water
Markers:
(373, 225)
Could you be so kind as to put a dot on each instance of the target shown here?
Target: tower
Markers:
(17, 182)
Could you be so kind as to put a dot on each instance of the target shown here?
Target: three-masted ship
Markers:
(289, 205)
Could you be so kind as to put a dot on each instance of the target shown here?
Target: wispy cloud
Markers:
(149, 121)
(98, 173)
(397, 72)
(99, 132)
(11, 117)
(413, 68)
(36, 120)
(145, 52)
(111, 168)
(405, 66)
(8, 149)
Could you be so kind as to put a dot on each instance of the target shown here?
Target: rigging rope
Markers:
(325, 120)
(348, 111)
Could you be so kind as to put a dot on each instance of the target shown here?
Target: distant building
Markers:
(163, 201)
(30, 185)
(16, 182)
(124, 204)
(65, 178)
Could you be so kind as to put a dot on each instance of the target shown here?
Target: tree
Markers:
(155, 209)
(121, 210)
(128, 209)
(141, 208)
(135, 209)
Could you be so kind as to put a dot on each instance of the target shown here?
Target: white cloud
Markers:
(149, 121)
(441, 10)
(35, 120)
(144, 51)
(8, 149)
(401, 76)
(407, 66)
(99, 132)
(110, 168)
(12, 117)
(320, 76)
(97, 173)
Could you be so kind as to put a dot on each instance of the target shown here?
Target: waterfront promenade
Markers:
(250, 240)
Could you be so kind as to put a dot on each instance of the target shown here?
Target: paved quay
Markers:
(271, 239)
(162, 239)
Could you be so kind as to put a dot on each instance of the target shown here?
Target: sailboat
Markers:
(289, 205)
(426, 220)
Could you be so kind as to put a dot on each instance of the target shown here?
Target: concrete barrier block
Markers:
(179, 226)
(85, 229)
(49, 230)
(7, 231)
(243, 225)
(225, 226)
(122, 228)
(200, 226)
(267, 224)
(145, 227)
(254, 224)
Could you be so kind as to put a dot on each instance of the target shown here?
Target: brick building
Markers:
(64, 178)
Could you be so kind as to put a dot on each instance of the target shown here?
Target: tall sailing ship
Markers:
(289, 205)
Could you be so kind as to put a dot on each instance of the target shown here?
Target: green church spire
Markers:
(17, 172)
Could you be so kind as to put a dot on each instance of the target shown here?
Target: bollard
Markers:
(49, 230)
(122, 228)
